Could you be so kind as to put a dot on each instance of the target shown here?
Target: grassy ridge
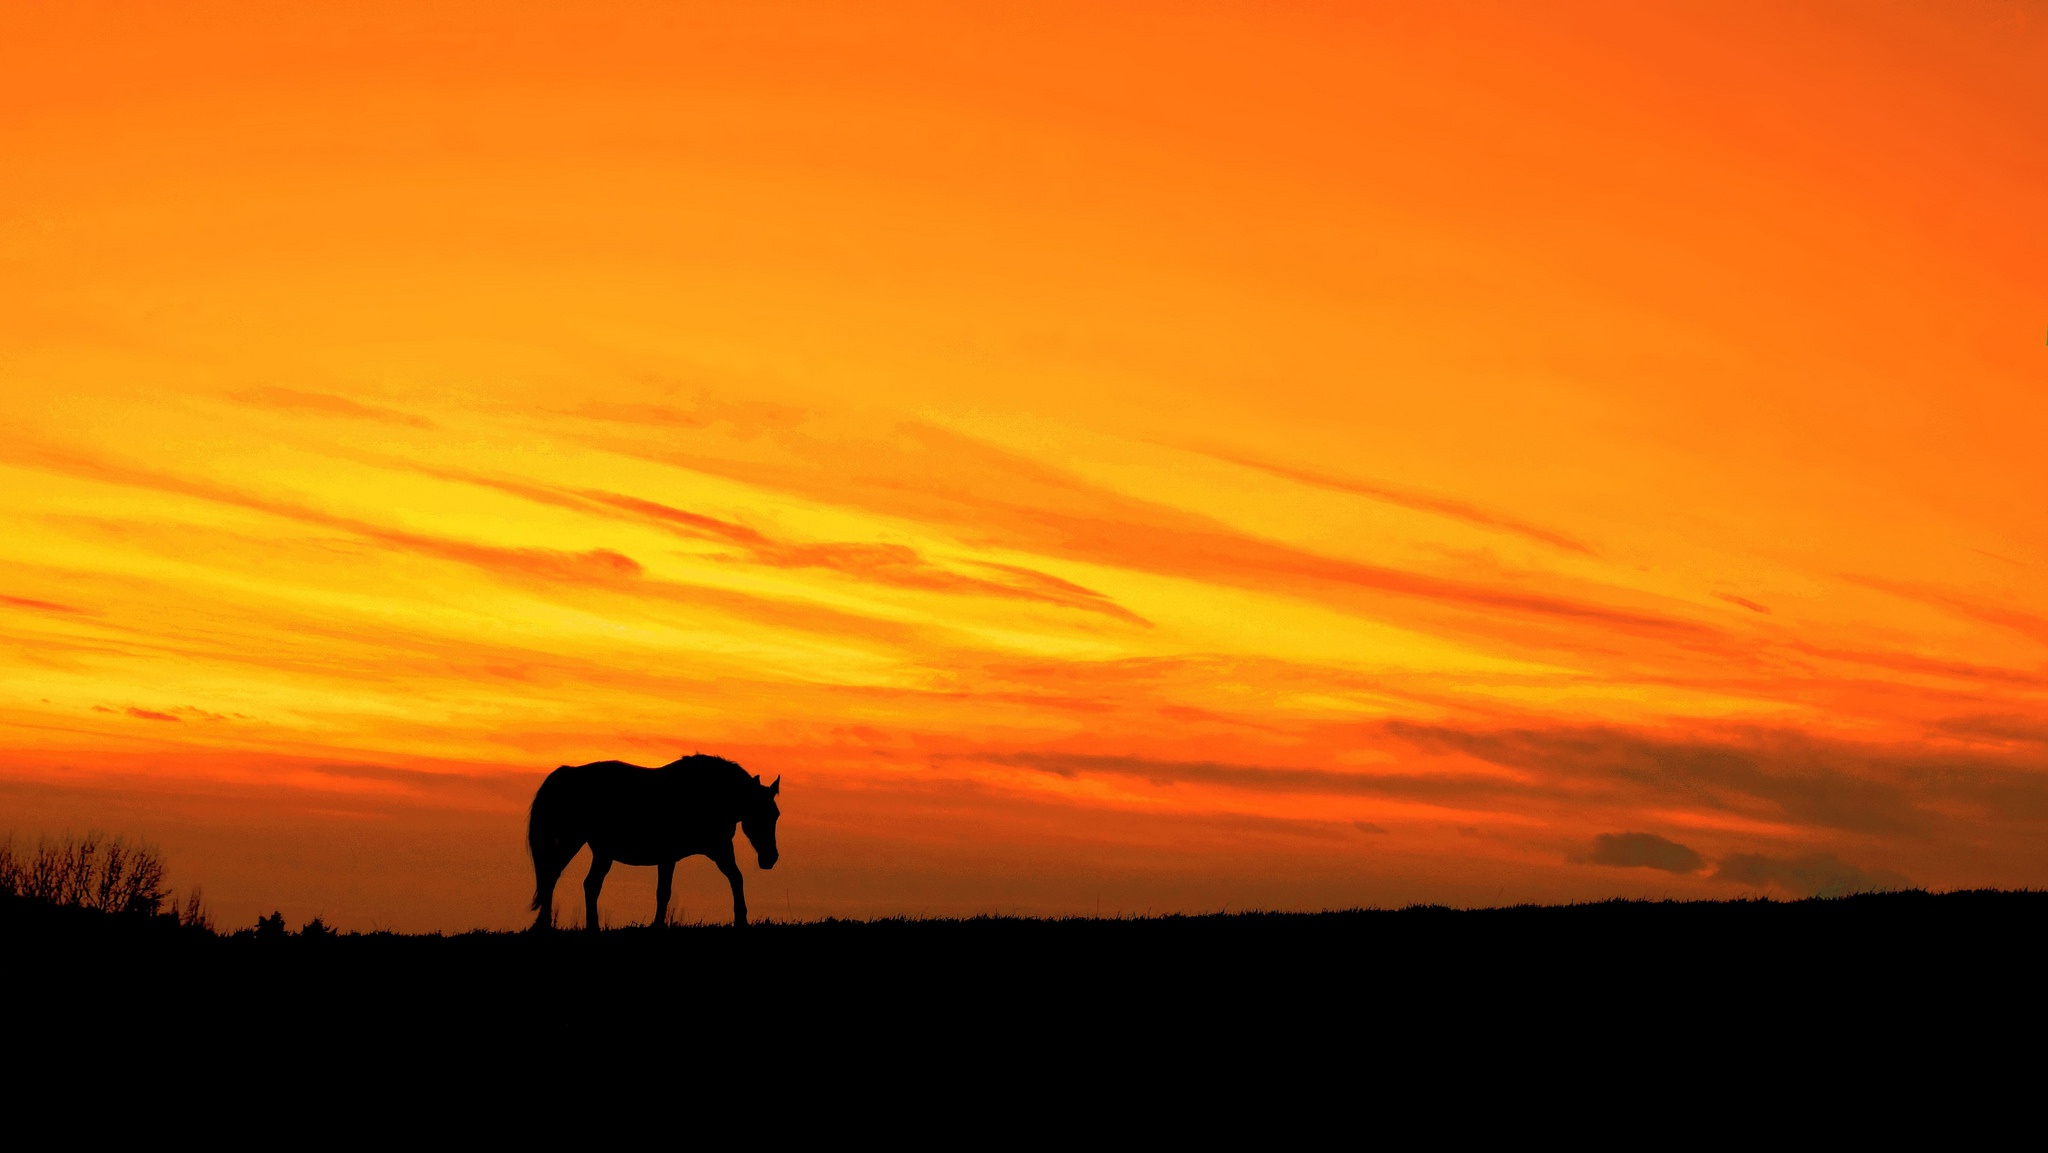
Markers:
(1983, 913)
(1750, 994)
(1601, 945)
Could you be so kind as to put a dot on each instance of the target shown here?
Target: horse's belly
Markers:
(647, 850)
(653, 835)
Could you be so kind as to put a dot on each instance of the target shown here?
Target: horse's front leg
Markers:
(599, 866)
(731, 868)
(664, 878)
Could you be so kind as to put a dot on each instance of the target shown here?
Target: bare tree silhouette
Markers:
(94, 871)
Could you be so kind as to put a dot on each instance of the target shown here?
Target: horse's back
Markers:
(697, 774)
(595, 770)
(689, 799)
(603, 784)
(599, 769)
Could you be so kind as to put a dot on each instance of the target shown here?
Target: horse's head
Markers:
(757, 819)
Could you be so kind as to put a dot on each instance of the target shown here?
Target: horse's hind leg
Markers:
(664, 878)
(599, 866)
(544, 879)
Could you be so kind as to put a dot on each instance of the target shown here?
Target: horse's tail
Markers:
(542, 835)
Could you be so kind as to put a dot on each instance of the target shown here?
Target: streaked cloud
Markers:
(996, 497)
(1891, 790)
(1261, 778)
(1802, 779)
(325, 404)
(2027, 624)
(39, 605)
(1419, 501)
(894, 565)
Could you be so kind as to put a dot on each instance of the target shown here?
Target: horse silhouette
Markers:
(647, 816)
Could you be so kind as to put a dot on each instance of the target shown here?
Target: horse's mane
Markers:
(705, 762)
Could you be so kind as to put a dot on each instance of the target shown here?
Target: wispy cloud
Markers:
(290, 399)
(889, 564)
(1258, 778)
(439, 784)
(1878, 789)
(2027, 624)
(1924, 665)
(676, 519)
(1791, 772)
(41, 606)
(988, 495)
(598, 569)
(592, 566)
(1410, 499)
(746, 418)
(2008, 727)
(904, 567)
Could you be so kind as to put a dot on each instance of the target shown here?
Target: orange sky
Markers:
(1119, 457)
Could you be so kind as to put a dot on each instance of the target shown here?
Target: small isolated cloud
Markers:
(1368, 827)
(1745, 602)
(1644, 851)
(1813, 875)
(147, 715)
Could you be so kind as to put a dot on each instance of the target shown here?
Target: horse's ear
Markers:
(757, 778)
(774, 787)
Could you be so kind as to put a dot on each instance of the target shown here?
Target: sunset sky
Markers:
(1104, 457)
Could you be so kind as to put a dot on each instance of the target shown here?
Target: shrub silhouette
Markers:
(107, 875)
(271, 928)
(194, 915)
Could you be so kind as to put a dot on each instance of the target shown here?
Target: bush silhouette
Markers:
(193, 915)
(107, 875)
(271, 928)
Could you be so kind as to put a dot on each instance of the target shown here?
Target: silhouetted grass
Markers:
(1984, 910)
(1343, 999)
(1729, 942)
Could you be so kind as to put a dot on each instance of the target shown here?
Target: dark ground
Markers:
(1732, 997)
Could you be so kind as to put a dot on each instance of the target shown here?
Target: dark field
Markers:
(1618, 973)
(1612, 1020)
